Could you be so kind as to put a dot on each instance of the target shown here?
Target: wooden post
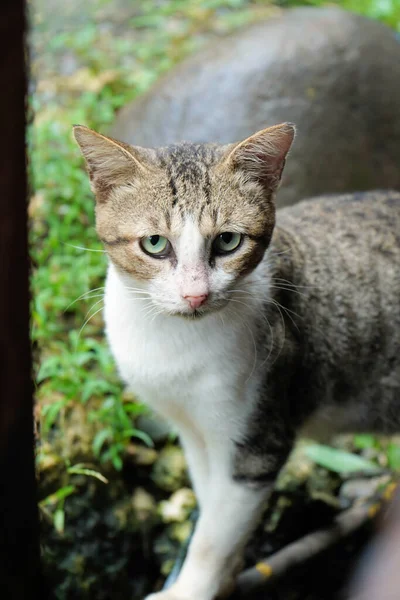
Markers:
(20, 573)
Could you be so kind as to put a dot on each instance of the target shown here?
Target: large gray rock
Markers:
(334, 74)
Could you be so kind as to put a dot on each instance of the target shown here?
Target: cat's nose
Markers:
(196, 301)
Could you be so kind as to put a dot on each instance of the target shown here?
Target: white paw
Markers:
(179, 593)
(167, 595)
(171, 594)
(175, 593)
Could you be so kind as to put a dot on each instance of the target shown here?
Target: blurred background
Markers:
(115, 498)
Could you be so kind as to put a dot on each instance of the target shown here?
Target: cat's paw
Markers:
(179, 593)
(167, 595)
(175, 593)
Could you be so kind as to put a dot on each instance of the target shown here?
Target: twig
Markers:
(269, 570)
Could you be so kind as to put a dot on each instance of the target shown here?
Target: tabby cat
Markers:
(241, 333)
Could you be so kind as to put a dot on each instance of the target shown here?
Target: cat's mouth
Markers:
(208, 308)
(196, 314)
(201, 313)
(193, 315)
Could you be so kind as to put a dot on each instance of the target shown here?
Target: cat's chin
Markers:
(192, 316)
(195, 315)
(199, 314)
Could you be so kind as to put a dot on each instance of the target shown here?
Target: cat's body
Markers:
(241, 342)
(315, 328)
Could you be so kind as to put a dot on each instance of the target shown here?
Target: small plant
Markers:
(77, 370)
(117, 416)
(53, 505)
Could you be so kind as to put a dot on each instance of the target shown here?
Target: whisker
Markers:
(245, 323)
(151, 309)
(87, 320)
(284, 333)
(83, 248)
(137, 293)
(287, 311)
(83, 295)
(287, 289)
(286, 281)
(265, 318)
(138, 290)
(280, 253)
(157, 312)
(92, 307)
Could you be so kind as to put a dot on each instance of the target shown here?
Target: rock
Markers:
(156, 427)
(178, 507)
(144, 505)
(141, 455)
(334, 74)
(169, 471)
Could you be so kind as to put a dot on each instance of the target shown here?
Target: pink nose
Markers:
(196, 301)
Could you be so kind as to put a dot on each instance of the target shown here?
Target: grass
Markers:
(73, 363)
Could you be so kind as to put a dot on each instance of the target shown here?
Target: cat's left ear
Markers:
(109, 161)
(261, 157)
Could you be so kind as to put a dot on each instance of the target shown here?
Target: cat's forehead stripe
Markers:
(187, 166)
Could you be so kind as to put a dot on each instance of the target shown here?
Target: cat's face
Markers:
(185, 224)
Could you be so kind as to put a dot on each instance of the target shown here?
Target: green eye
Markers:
(156, 245)
(227, 242)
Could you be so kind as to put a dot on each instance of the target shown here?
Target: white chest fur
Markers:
(199, 369)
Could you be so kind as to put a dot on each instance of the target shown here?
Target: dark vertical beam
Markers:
(20, 575)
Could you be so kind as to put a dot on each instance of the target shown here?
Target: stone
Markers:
(155, 426)
(169, 472)
(336, 75)
(141, 455)
(143, 504)
(178, 507)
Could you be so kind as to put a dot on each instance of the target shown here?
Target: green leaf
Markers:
(100, 438)
(49, 368)
(78, 470)
(365, 440)
(393, 456)
(94, 387)
(58, 496)
(117, 462)
(59, 520)
(139, 434)
(339, 461)
(50, 413)
(135, 408)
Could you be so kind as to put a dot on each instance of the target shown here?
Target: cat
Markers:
(241, 333)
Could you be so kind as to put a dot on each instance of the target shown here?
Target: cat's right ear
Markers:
(109, 162)
(261, 157)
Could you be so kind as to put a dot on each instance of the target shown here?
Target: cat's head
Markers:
(185, 223)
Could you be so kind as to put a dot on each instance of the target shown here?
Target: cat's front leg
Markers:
(228, 517)
(197, 460)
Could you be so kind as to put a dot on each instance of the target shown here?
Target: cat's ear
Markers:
(261, 157)
(108, 161)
